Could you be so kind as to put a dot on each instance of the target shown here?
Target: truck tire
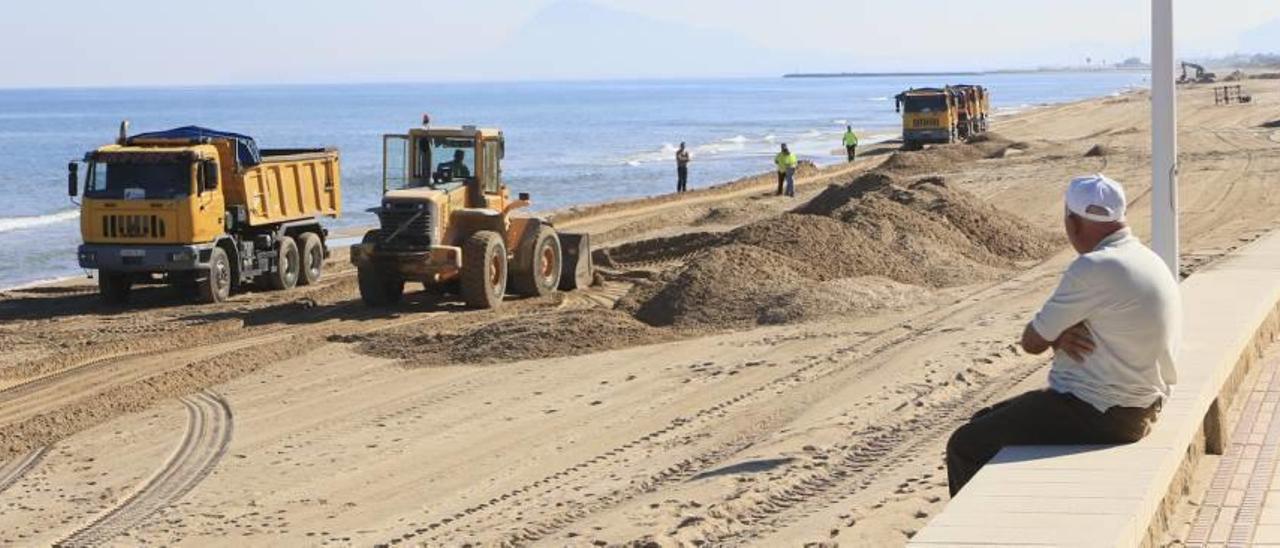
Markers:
(114, 287)
(216, 286)
(288, 263)
(312, 255)
(379, 289)
(539, 271)
(484, 270)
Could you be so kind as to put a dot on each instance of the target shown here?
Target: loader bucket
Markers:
(577, 270)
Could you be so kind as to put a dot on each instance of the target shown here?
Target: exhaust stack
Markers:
(124, 133)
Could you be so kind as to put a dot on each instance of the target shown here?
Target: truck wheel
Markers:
(312, 258)
(379, 289)
(287, 265)
(216, 286)
(539, 273)
(484, 270)
(114, 287)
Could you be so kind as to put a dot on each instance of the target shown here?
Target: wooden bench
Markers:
(1123, 495)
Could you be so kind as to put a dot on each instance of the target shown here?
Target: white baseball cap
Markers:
(1096, 198)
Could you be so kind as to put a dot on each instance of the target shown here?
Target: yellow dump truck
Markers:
(203, 209)
(942, 115)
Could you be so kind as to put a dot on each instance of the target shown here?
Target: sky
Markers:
(162, 42)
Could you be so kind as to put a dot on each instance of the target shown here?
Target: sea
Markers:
(568, 143)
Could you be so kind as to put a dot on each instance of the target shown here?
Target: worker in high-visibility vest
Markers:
(786, 163)
(850, 143)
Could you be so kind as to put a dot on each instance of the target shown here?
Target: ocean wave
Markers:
(10, 224)
(840, 122)
(878, 99)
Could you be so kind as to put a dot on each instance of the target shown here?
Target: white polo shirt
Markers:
(1132, 306)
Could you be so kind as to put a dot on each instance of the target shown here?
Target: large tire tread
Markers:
(482, 253)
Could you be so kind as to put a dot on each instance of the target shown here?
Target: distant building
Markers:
(1132, 63)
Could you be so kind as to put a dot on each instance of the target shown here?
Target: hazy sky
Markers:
(89, 42)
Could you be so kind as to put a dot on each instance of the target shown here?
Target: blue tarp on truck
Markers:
(246, 148)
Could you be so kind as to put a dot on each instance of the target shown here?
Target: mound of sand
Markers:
(1097, 151)
(515, 338)
(723, 286)
(792, 267)
(849, 296)
(945, 157)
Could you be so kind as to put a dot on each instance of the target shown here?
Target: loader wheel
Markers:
(540, 273)
(114, 287)
(288, 265)
(484, 270)
(312, 258)
(378, 288)
(216, 285)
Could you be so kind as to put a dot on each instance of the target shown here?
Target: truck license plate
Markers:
(133, 253)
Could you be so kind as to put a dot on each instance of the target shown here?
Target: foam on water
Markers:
(9, 224)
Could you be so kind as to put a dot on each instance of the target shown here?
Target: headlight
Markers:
(88, 257)
(181, 257)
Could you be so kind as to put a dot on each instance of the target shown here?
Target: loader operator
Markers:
(456, 169)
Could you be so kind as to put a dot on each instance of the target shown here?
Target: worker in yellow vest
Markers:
(850, 142)
(786, 163)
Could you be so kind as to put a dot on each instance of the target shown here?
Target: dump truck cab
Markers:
(447, 214)
(929, 115)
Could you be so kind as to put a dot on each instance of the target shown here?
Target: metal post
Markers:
(1164, 137)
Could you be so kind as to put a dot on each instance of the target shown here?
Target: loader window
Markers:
(455, 160)
(926, 103)
(138, 181)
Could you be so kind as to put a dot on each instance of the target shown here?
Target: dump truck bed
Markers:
(289, 185)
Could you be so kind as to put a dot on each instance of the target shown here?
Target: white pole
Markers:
(1164, 137)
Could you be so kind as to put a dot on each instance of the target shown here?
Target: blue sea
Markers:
(567, 143)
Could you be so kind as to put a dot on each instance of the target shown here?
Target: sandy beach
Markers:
(750, 369)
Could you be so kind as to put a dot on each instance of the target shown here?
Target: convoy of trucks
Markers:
(204, 209)
(942, 115)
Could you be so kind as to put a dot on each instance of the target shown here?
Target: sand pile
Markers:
(796, 266)
(515, 338)
(1097, 151)
(848, 296)
(945, 157)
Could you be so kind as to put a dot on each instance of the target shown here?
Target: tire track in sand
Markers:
(209, 429)
(15, 469)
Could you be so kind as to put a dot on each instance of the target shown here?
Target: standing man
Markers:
(850, 142)
(786, 163)
(1113, 324)
(682, 169)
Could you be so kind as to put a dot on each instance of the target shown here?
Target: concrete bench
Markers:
(1122, 495)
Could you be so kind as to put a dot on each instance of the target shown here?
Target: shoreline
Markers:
(569, 214)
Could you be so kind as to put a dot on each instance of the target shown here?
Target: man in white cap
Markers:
(1113, 323)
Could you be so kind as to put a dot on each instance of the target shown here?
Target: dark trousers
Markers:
(682, 178)
(782, 179)
(1041, 417)
(852, 150)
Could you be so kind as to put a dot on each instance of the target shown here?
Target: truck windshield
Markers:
(926, 103)
(443, 160)
(138, 181)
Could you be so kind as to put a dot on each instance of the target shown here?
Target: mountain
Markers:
(578, 39)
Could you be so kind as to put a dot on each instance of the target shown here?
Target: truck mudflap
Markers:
(144, 258)
(576, 268)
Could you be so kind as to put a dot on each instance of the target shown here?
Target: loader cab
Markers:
(448, 160)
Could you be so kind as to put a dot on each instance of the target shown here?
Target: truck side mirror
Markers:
(523, 196)
(73, 180)
(208, 175)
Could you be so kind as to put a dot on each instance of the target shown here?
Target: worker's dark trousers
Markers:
(782, 179)
(852, 150)
(682, 178)
(1041, 417)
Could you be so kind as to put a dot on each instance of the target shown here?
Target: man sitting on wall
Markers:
(1113, 323)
